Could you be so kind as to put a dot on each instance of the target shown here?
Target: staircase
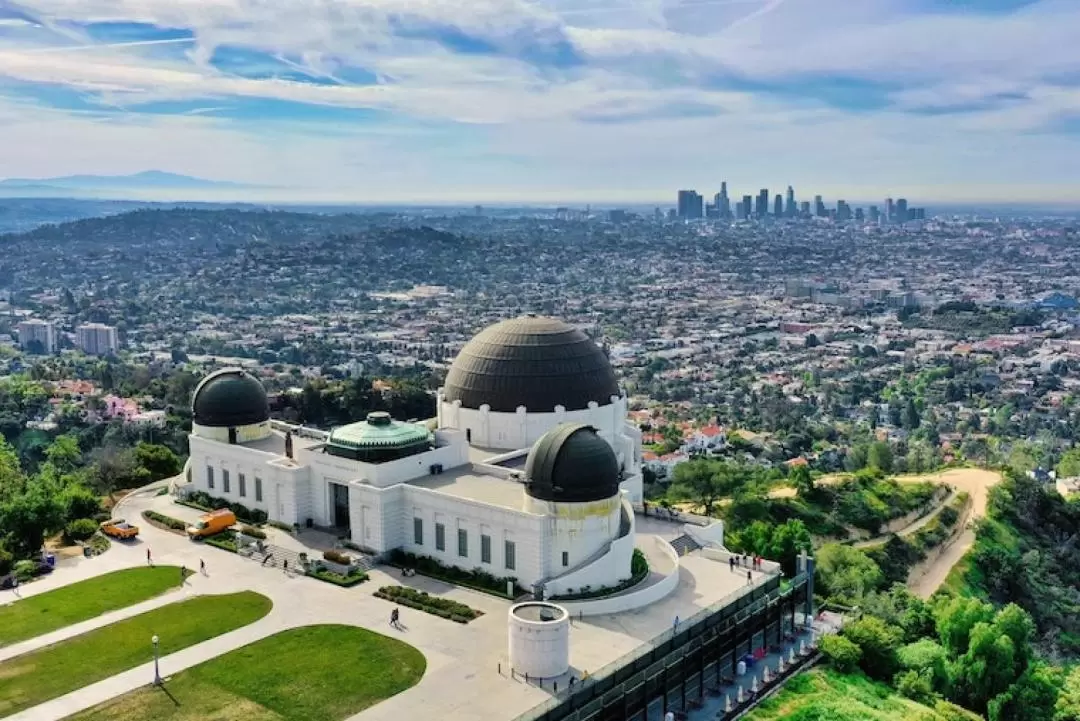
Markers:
(275, 557)
(684, 544)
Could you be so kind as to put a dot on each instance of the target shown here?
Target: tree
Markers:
(29, 517)
(1069, 465)
(159, 461)
(115, 470)
(802, 480)
(788, 540)
(956, 618)
(846, 573)
(64, 454)
(1033, 697)
(986, 669)
(929, 658)
(706, 481)
(1068, 702)
(879, 643)
(843, 653)
(880, 456)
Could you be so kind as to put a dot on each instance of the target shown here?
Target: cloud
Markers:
(638, 90)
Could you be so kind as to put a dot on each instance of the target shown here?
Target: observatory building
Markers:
(529, 469)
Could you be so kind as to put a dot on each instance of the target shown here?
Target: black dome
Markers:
(572, 464)
(534, 362)
(229, 398)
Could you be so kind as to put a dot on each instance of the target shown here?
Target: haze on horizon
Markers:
(551, 101)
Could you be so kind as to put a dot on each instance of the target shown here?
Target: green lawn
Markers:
(314, 673)
(53, 671)
(824, 695)
(84, 600)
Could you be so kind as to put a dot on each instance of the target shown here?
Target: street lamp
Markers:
(157, 674)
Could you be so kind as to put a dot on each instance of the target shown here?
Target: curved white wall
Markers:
(540, 649)
(610, 569)
(651, 593)
(580, 530)
(244, 434)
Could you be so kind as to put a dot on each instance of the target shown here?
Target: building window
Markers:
(440, 537)
(224, 480)
(462, 543)
(258, 488)
(242, 481)
(565, 558)
(209, 476)
(485, 549)
(418, 531)
(511, 550)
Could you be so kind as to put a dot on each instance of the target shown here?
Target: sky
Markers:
(551, 100)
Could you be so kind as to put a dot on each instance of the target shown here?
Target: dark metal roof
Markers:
(572, 464)
(228, 398)
(534, 362)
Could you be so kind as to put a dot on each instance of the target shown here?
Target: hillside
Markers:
(825, 695)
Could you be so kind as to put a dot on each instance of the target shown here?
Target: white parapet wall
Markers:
(539, 639)
(648, 592)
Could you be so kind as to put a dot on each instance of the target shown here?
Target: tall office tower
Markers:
(890, 211)
(747, 206)
(98, 338)
(804, 208)
(843, 211)
(874, 214)
(859, 217)
(690, 205)
(819, 207)
(761, 208)
(790, 207)
(37, 336)
(778, 206)
(901, 210)
(724, 202)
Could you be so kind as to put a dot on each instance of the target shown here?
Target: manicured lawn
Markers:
(53, 671)
(824, 695)
(84, 600)
(314, 673)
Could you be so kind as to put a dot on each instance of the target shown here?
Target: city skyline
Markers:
(514, 101)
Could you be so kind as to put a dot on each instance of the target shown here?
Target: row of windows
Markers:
(509, 549)
(226, 486)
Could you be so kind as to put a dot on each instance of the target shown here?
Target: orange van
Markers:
(212, 523)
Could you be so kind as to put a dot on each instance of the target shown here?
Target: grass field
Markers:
(314, 673)
(824, 695)
(45, 612)
(32, 678)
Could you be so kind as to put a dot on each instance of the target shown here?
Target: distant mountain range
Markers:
(149, 182)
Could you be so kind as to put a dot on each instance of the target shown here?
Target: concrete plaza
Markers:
(462, 681)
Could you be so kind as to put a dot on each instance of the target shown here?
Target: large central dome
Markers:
(534, 362)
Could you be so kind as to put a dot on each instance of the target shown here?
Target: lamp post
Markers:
(157, 674)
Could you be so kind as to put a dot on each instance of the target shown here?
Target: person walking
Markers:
(395, 615)
(183, 574)
(15, 586)
(731, 563)
(749, 578)
(285, 566)
(149, 559)
(202, 567)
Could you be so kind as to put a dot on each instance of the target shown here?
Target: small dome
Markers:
(230, 398)
(534, 362)
(378, 439)
(572, 464)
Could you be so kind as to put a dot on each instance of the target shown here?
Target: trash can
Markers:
(50, 560)
(740, 668)
(87, 552)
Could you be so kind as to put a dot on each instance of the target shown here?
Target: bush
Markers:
(337, 557)
(164, 521)
(842, 653)
(879, 642)
(80, 530)
(25, 570)
(423, 601)
(7, 561)
(253, 532)
(915, 686)
(281, 526)
(226, 540)
(99, 543)
(355, 577)
(80, 502)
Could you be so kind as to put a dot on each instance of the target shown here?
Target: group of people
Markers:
(745, 561)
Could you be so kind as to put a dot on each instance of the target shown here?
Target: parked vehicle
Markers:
(119, 528)
(212, 523)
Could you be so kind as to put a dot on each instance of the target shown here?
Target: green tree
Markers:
(801, 479)
(159, 461)
(927, 657)
(880, 456)
(706, 481)
(64, 454)
(843, 653)
(986, 669)
(879, 643)
(1033, 697)
(788, 540)
(846, 573)
(956, 617)
(1068, 702)
(28, 517)
(1069, 465)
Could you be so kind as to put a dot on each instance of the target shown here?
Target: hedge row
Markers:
(422, 601)
(226, 540)
(167, 522)
(477, 579)
(337, 557)
(354, 578)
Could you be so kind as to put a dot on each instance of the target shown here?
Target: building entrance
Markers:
(340, 495)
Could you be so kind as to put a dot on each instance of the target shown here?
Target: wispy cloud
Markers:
(505, 87)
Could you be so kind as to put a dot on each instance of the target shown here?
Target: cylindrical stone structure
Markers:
(539, 639)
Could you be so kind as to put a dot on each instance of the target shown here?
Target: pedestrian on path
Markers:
(149, 559)
(202, 567)
(731, 563)
(267, 557)
(286, 566)
(15, 586)
(394, 616)
(183, 575)
(749, 578)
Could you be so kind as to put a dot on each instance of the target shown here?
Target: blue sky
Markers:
(551, 100)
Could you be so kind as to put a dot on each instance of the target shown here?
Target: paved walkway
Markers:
(462, 680)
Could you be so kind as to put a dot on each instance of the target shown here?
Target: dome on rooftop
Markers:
(530, 361)
(572, 464)
(378, 439)
(230, 398)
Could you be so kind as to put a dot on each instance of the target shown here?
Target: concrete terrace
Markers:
(462, 680)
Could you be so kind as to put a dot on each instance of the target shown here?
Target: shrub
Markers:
(7, 561)
(25, 570)
(253, 532)
(337, 557)
(164, 521)
(477, 579)
(99, 543)
(915, 686)
(423, 601)
(355, 577)
(79, 502)
(226, 540)
(842, 653)
(80, 530)
(281, 526)
(879, 642)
